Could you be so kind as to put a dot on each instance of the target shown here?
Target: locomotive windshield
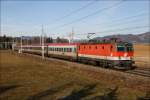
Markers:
(129, 48)
(125, 47)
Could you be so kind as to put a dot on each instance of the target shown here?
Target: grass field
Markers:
(30, 78)
(142, 55)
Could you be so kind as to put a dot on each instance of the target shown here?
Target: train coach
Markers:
(118, 54)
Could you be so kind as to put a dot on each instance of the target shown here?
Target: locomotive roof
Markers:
(61, 44)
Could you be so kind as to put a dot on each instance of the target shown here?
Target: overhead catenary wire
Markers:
(75, 11)
(109, 31)
(121, 20)
(128, 17)
(80, 36)
(92, 14)
(123, 23)
(122, 29)
(119, 29)
(118, 24)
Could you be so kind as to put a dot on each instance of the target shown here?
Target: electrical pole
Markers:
(21, 45)
(13, 44)
(71, 36)
(42, 42)
(40, 39)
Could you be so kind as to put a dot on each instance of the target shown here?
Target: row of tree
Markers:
(32, 40)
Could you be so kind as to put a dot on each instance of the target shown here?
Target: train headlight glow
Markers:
(111, 54)
(125, 54)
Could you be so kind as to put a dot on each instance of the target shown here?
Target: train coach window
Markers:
(74, 49)
(65, 49)
(70, 50)
(61, 49)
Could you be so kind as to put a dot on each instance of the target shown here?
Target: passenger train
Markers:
(112, 54)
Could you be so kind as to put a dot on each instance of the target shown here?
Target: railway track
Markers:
(140, 72)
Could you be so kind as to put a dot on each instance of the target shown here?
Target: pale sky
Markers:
(58, 17)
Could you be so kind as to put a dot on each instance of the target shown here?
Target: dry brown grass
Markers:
(142, 55)
(32, 78)
(142, 50)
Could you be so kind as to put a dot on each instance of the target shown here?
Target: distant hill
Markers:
(140, 38)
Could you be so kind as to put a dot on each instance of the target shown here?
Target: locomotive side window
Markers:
(102, 47)
(89, 47)
(95, 47)
(120, 48)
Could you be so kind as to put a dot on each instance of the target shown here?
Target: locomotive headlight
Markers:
(125, 54)
(111, 54)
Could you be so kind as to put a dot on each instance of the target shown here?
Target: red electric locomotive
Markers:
(118, 55)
